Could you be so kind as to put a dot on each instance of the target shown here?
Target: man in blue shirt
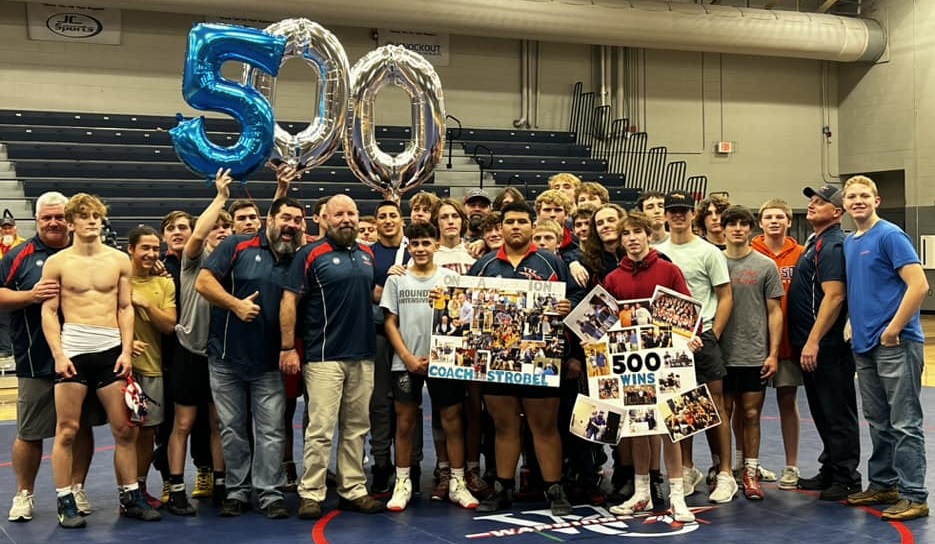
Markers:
(242, 279)
(886, 286)
(333, 278)
(388, 251)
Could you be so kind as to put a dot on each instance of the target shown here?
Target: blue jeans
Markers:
(238, 396)
(890, 381)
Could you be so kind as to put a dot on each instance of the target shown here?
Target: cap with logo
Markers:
(679, 199)
(828, 193)
(474, 194)
(7, 222)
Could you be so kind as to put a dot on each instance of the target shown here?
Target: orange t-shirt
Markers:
(785, 260)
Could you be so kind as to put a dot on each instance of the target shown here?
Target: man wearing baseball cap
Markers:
(817, 312)
(828, 193)
(8, 240)
(477, 205)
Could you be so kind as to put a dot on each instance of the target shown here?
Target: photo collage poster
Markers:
(498, 330)
(637, 357)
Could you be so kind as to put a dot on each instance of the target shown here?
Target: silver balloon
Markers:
(393, 176)
(321, 50)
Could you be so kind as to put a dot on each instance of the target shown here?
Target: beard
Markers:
(345, 236)
(474, 222)
(285, 247)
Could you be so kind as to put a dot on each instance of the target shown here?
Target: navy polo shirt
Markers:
(822, 260)
(244, 264)
(536, 265)
(20, 270)
(336, 286)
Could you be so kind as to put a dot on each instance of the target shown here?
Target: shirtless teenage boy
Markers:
(91, 350)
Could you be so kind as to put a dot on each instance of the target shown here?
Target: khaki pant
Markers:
(338, 393)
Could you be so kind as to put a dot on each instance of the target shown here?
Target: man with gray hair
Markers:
(22, 294)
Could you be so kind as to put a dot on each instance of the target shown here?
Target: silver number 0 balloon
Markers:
(321, 50)
(394, 176)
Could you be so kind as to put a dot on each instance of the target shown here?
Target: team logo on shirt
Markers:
(258, 259)
(336, 260)
(40, 262)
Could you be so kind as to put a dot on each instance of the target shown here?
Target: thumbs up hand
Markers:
(247, 309)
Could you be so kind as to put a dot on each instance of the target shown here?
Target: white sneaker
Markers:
(81, 500)
(766, 475)
(21, 510)
(725, 488)
(637, 503)
(789, 478)
(459, 494)
(680, 511)
(402, 493)
(692, 477)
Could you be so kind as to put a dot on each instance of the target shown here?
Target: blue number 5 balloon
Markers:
(210, 46)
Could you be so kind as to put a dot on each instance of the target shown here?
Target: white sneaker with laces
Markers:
(639, 502)
(459, 494)
(725, 488)
(402, 493)
(81, 500)
(21, 510)
(692, 477)
(680, 510)
(789, 478)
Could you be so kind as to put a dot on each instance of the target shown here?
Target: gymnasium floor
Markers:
(791, 516)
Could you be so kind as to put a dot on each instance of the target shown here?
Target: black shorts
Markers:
(94, 370)
(709, 363)
(407, 387)
(191, 385)
(521, 391)
(744, 379)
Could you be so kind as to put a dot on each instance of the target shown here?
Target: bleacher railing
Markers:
(626, 151)
(451, 135)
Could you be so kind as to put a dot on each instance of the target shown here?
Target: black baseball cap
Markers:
(679, 199)
(828, 193)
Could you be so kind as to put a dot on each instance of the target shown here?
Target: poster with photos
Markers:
(689, 413)
(642, 360)
(498, 330)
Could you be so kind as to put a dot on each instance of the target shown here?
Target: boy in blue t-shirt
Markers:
(886, 286)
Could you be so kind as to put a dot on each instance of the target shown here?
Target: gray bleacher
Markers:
(129, 161)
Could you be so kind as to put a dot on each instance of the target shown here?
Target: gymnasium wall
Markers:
(770, 108)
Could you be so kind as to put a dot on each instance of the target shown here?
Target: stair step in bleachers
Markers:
(524, 149)
(151, 122)
(548, 163)
(499, 135)
(124, 136)
(154, 170)
(104, 120)
(51, 151)
(503, 177)
(194, 189)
